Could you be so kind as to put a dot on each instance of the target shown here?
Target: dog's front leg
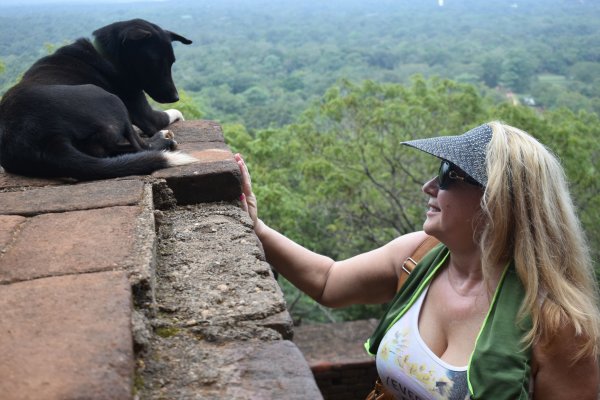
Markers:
(144, 117)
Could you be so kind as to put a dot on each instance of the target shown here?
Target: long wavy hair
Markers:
(532, 220)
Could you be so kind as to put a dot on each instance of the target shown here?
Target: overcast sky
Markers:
(21, 2)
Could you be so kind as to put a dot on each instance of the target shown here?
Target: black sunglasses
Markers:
(448, 172)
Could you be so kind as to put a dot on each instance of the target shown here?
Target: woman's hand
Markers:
(247, 198)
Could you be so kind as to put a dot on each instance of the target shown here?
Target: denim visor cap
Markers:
(467, 151)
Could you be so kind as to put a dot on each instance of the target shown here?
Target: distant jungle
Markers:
(317, 95)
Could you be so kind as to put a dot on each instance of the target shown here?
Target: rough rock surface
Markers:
(219, 317)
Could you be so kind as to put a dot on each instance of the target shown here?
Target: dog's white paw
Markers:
(175, 158)
(174, 115)
(167, 134)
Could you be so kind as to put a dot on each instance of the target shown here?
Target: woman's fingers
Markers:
(246, 180)
(244, 202)
(247, 198)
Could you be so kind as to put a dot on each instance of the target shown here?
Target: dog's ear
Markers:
(135, 33)
(178, 38)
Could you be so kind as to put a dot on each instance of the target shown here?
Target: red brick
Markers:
(82, 196)
(214, 179)
(273, 370)
(336, 344)
(8, 227)
(207, 152)
(197, 131)
(11, 181)
(66, 338)
(73, 242)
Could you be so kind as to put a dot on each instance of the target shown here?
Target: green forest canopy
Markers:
(339, 182)
(261, 62)
(318, 94)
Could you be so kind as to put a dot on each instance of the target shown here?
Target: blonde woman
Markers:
(505, 307)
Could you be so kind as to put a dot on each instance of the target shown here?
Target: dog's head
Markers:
(143, 52)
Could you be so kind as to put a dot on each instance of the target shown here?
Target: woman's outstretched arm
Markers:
(368, 278)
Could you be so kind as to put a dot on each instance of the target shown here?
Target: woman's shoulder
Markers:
(406, 245)
(409, 241)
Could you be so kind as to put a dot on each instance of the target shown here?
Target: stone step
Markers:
(67, 337)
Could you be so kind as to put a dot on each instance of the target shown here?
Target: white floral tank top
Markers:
(410, 370)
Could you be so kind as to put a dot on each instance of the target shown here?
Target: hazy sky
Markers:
(21, 2)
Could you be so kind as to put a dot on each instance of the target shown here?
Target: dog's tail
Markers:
(73, 163)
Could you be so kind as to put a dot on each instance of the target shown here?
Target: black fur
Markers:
(72, 113)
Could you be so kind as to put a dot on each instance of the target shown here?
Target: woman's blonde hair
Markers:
(532, 220)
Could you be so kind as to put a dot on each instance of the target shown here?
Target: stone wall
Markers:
(145, 287)
(335, 353)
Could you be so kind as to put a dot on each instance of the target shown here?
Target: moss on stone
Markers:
(167, 331)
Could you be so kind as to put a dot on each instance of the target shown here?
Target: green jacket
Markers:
(499, 367)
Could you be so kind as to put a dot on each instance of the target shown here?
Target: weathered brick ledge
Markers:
(149, 287)
(335, 353)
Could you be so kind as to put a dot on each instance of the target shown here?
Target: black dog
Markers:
(72, 114)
